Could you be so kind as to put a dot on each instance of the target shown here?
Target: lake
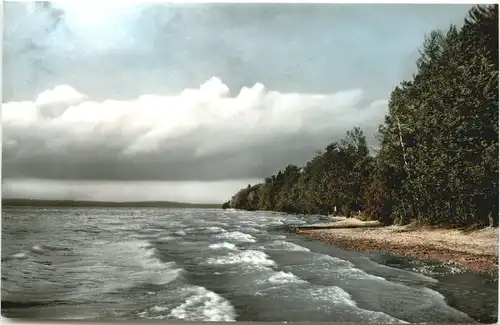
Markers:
(210, 264)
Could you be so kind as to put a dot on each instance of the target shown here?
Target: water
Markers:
(188, 264)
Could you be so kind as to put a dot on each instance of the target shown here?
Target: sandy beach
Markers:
(476, 251)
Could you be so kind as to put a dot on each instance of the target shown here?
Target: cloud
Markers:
(123, 191)
(122, 50)
(199, 134)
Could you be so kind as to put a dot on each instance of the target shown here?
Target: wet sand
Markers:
(475, 251)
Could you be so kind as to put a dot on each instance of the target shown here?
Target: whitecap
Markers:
(237, 236)
(204, 305)
(214, 229)
(225, 245)
(164, 239)
(353, 273)
(167, 274)
(343, 269)
(146, 315)
(338, 295)
(37, 248)
(251, 257)
(397, 273)
(180, 233)
(284, 278)
(288, 246)
(249, 223)
(158, 309)
(334, 294)
(155, 312)
(130, 263)
(250, 229)
(19, 255)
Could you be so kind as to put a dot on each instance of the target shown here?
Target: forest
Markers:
(437, 156)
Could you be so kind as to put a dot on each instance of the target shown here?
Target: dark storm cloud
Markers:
(202, 134)
(135, 63)
(111, 51)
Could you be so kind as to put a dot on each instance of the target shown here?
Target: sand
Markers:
(475, 251)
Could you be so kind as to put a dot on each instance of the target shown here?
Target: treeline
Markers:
(437, 161)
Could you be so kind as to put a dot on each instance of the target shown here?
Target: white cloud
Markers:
(62, 94)
(199, 134)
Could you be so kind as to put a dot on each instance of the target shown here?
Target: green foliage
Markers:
(377, 202)
(446, 122)
(438, 156)
(334, 178)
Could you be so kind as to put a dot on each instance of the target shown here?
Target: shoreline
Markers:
(476, 251)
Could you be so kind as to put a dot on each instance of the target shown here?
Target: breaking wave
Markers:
(204, 305)
(237, 236)
(251, 257)
(223, 245)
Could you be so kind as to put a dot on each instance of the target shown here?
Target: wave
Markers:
(56, 248)
(285, 278)
(164, 272)
(225, 245)
(155, 312)
(437, 270)
(397, 274)
(249, 223)
(204, 305)
(288, 246)
(344, 269)
(249, 229)
(37, 249)
(127, 264)
(148, 231)
(214, 229)
(180, 233)
(275, 223)
(146, 236)
(442, 300)
(7, 304)
(333, 293)
(20, 255)
(164, 239)
(237, 236)
(337, 295)
(251, 257)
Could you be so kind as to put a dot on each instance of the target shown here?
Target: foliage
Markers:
(438, 156)
(334, 178)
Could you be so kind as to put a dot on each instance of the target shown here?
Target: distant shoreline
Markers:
(475, 251)
(103, 204)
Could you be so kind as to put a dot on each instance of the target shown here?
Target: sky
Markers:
(191, 102)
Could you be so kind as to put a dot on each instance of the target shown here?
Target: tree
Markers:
(437, 160)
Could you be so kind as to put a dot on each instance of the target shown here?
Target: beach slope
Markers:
(476, 251)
